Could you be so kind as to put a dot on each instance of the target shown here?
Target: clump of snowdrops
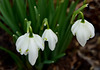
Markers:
(42, 30)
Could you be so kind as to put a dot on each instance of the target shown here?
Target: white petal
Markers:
(39, 41)
(33, 52)
(51, 37)
(22, 43)
(54, 35)
(51, 41)
(45, 35)
(19, 39)
(75, 26)
(19, 42)
(90, 28)
(24, 46)
(52, 44)
(82, 35)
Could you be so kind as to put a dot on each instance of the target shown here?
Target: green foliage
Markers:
(14, 57)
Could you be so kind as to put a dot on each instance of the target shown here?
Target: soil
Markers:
(76, 58)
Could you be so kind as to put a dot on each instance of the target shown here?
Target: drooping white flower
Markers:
(51, 37)
(30, 45)
(83, 31)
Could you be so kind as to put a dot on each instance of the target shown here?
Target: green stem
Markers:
(30, 32)
(45, 22)
(48, 26)
(77, 12)
(28, 25)
(82, 17)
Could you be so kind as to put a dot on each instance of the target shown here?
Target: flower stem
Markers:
(30, 32)
(28, 25)
(82, 17)
(77, 12)
(45, 22)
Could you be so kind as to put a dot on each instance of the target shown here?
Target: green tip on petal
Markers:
(45, 39)
(20, 50)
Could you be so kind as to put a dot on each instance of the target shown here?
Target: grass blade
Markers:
(62, 16)
(32, 3)
(20, 11)
(14, 57)
(5, 28)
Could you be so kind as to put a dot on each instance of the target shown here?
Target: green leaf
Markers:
(65, 33)
(67, 21)
(14, 57)
(56, 17)
(59, 56)
(25, 25)
(7, 14)
(8, 8)
(7, 18)
(42, 4)
(5, 28)
(66, 39)
(48, 61)
(51, 11)
(15, 37)
(32, 15)
(38, 24)
(62, 16)
(20, 7)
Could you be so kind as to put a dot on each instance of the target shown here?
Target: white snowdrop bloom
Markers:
(30, 45)
(51, 37)
(83, 31)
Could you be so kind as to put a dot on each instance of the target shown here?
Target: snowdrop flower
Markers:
(83, 31)
(30, 45)
(51, 37)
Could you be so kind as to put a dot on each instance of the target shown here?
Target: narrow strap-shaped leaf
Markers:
(68, 36)
(42, 9)
(61, 20)
(6, 16)
(67, 21)
(59, 56)
(25, 25)
(21, 8)
(65, 33)
(21, 11)
(5, 28)
(56, 16)
(62, 15)
(32, 3)
(3, 19)
(51, 11)
(15, 37)
(48, 61)
(14, 57)
(9, 9)
(38, 24)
